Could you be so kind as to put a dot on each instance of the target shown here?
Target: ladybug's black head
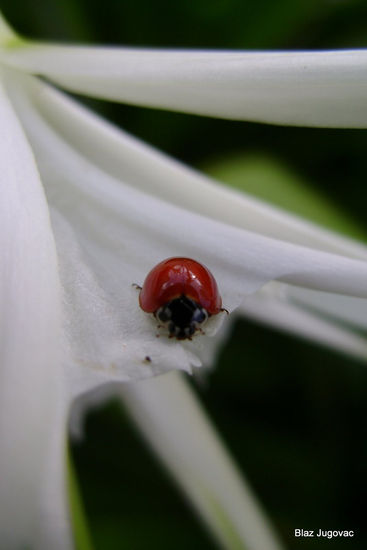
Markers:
(182, 316)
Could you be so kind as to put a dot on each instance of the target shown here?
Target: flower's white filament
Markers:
(306, 88)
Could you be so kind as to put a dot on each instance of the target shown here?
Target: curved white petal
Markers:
(32, 403)
(128, 159)
(172, 421)
(109, 337)
(175, 426)
(314, 315)
(120, 233)
(352, 311)
(307, 88)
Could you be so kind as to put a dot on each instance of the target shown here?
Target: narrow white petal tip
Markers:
(307, 88)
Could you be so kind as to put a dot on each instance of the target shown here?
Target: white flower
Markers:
(70, 317)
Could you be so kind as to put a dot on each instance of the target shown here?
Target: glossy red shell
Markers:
(176, 276)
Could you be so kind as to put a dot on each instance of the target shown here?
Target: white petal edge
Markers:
(251, 257)
(316, 316)
(342, 308)
(108, 336)
(33, 510)
(306, 88)
(173, 423)
(128, 159)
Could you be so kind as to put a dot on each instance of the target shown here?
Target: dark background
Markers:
(293, 414)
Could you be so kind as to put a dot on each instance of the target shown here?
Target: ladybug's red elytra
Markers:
(182, 294)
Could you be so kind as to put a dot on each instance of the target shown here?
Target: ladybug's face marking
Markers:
(182, 317)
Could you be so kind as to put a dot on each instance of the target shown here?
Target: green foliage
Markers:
(80, 530)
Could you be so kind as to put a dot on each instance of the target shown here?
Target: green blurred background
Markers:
(292, 413)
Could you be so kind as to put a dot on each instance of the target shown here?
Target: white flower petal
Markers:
(307, 88)
(128, 159)
(343, 308)
(32, 404)
(259, 259)
(297, 311)
(170, 418)
(109, 338)
(121, 232)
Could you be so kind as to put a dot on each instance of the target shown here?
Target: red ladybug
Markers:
(182, 294)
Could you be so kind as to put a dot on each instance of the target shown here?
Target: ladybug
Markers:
(182, 294)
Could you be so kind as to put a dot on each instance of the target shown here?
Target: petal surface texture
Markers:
(127, 159)
(307, 88)
(32, 400)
